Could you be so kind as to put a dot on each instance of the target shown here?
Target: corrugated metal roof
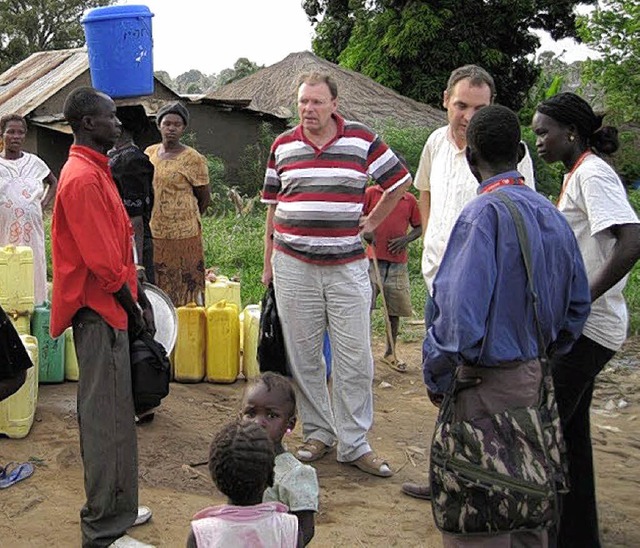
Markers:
(28, 84)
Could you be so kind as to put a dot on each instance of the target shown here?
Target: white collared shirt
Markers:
(444, 172)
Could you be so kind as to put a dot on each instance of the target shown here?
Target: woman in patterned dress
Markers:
(23, 196)
(181, 189)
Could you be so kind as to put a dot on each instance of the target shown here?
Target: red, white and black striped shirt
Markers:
(319, 193)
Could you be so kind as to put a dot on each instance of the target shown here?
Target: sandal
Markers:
(312, 450)
(394, 363)
(17, 473)
(372, 464)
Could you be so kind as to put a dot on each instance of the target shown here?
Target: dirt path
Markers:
(356, 510)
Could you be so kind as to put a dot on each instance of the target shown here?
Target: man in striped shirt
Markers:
(314, 188)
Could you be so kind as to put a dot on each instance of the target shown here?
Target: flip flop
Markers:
(394, 363)
(17, 473)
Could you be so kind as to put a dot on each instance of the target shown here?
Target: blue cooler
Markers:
(120, 46)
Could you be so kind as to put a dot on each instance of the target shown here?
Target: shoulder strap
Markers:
(525, 249)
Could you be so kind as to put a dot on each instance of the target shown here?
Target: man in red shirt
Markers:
(95, 290)
(390, 247)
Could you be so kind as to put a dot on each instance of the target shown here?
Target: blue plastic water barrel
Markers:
(120, 46)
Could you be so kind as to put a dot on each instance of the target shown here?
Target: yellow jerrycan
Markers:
(223, 343)
(18, 411)
(16, 279)
(22, 322)
(71, 369)
(251, 330)
(189, 352)
(223, 289)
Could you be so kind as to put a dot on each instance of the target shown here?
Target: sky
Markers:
(210, 35)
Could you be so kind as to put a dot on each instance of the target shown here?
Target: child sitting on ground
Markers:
(271, 402)
(241, 463)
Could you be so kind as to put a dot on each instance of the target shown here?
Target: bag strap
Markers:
(525, 249)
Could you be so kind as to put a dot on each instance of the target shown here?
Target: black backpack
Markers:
(272, 354)
(150, 372)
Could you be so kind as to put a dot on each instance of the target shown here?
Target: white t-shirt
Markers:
(594, 200)
(444, 172)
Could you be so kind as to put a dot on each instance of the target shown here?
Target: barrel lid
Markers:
(116, 12)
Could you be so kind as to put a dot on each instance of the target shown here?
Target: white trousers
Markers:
(310, 299)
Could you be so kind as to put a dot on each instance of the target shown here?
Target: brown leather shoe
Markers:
(417, 491)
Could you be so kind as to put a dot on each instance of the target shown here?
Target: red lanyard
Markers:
(503, 182)
(573, 169)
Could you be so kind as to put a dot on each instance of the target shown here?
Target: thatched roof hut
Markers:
(274, 90)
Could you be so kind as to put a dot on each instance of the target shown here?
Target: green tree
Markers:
(241, 68)
(29, 26)
(412, 46)
(613, 30)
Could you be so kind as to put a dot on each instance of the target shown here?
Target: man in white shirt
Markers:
(446, 183)
(443, 178)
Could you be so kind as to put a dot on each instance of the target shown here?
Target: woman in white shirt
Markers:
(595, 203)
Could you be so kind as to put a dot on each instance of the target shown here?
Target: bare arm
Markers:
(624, 255)
(134, 312)
(267, 271)
(306, 526)
(52, 183)
(191, 540)
(424, 205)
(203, 196)
(396, 245)
(385, 206)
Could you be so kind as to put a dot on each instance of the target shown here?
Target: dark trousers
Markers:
(108, 443)
(573, 376)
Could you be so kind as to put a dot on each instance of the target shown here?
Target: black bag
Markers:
(272, 354)
(14, 357)
(150, 372)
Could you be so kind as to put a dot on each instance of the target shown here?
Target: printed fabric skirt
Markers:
(179, 269)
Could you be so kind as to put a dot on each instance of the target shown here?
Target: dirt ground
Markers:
(355, 509)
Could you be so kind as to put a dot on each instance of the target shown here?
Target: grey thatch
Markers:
(274, 90)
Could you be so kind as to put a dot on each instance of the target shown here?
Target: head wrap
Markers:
(173, 108)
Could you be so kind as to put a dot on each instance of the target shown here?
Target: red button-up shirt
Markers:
(91, 238)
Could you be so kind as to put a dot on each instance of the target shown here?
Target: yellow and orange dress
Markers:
(176, 225)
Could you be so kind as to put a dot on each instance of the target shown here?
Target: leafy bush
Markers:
(234, 246)
(406, 141)
(254, 161)
(632, 289)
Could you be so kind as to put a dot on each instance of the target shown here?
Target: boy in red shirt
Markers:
(391, 241)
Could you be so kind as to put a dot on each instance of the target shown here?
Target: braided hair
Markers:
(241, 461)
(569, 109)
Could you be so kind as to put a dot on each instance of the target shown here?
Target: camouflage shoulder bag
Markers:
(501, 473)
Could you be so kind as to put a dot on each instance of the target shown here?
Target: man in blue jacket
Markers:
(484, 324)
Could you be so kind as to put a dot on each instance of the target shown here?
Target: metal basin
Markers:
(164, 316)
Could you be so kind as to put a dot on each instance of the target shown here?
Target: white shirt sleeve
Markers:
(422, 181)
(605, 199)
(525, 167)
